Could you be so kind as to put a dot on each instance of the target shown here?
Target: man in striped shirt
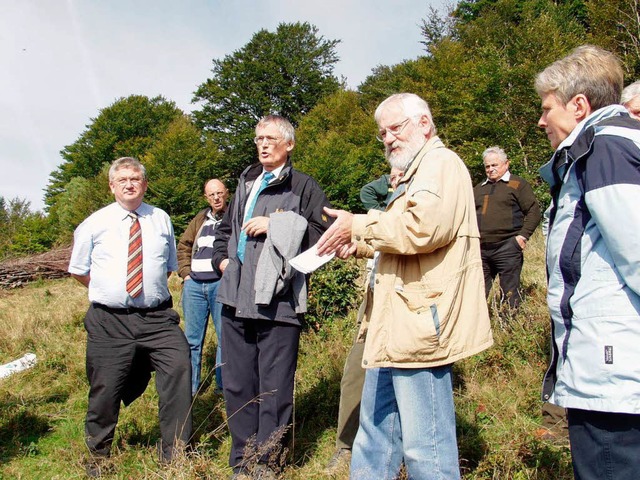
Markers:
(201, 280)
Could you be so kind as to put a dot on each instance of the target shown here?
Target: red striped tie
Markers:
(134, 262)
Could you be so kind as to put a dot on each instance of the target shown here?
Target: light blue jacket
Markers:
(593, 265)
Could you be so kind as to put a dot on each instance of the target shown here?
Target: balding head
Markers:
(216, 194)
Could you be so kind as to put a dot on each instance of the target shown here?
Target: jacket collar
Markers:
(431, 144)
(254, 170)
(576, 144)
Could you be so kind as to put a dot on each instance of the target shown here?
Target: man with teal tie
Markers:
(276, 210)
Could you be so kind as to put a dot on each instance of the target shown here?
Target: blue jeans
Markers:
(198, 301)
(406, 414)
(604, 445)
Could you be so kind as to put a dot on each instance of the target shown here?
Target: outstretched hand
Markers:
(338, 234)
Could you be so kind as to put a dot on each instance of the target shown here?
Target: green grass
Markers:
(42, 410)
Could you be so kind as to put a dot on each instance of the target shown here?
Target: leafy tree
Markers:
(286, 72)
(21, 230)
(81, 197)
(34, 235)
(501, 52)
(615, 25)
(128, 127)
(337, 147)
(178, 164)
(436, 27)
(478, 79)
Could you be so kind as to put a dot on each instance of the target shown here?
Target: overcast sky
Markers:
(61, 61)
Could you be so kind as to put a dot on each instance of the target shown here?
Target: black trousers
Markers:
(259, 365)
(116, 340)
(504, 259)
(604, 445)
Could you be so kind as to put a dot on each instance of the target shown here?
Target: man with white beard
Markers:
(428, 307)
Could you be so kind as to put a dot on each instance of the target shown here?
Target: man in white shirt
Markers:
(124, 254)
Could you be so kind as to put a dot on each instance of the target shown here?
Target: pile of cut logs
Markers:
(17, 272)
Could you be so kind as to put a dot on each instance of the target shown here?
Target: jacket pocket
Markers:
(417, 329)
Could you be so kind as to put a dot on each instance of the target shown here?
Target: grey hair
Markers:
(587, 70)
(126, 162)
(283, 125)
(412, 105)
(630, 92)
(497, 151)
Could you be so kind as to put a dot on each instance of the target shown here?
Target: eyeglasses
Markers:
(270, 140)
(122, 182)
(214, 194)
(394, 130)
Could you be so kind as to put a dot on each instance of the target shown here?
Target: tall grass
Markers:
(42, 410)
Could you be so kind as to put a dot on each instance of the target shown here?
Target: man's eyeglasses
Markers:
(122, 182)
(394, 130)
(214, 194)
(270, 140)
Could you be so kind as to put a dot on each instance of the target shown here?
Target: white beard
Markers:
(402, 159)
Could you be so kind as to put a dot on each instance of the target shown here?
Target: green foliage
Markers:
(615, 25)
(333, 291)
(35, 235)
(494, 63)
(478, 80)
(21, 230)
(178, 164)
(284, 72)
(128, 127)
(338, 148)
(81, 197)
(436, 27)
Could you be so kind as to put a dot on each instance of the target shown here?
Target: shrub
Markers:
(333, 291)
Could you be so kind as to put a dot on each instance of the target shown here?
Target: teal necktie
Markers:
(242, 241)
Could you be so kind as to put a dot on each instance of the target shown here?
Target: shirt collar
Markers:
(276, 172)
(140, 211)
(504, 178)
(215, 216)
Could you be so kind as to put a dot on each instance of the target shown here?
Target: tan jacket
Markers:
(428, 306)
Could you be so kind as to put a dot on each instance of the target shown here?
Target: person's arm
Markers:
(185, 248)
(432, 218)
(223, 231)
(172, 260)
(374, 194)
(83, 279)
(612, 189)
(80, 261)
(531, 209)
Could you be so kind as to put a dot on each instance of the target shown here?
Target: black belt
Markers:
(128, 310)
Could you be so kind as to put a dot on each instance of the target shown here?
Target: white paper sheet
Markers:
(309, 260)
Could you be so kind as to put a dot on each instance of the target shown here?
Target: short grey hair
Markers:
(587, 70)
(630, 92)
(283, 125)
(412, 105)
(497, 151)
(126, 162)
